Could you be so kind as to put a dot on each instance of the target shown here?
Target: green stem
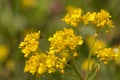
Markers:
(74, 68)
(89, 57)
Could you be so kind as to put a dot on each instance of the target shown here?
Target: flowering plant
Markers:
(64, 46)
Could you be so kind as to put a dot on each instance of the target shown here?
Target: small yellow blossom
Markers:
(54, 63)
(63, 39)
(73, 17)
(50, 61)
(107, 54)
(30, 43)
(41, 68)
(60, 64)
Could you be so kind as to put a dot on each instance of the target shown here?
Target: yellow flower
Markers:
(55, 62)
(4, 51)
(42, 68)
(63, 39)
(36, 63)
(70, 9)
(50, 61)
(10, 65)
(30, 43)
(84, 65)
(102, 19)
(88, 17)
(117, 59)
(73, 17)
(107, 54)
(40, 63)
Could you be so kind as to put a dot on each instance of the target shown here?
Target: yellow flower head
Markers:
(102, 19)
(36, 64)
(73, 17)
(40, 63)
(99, 43)
(84, 65)
(63, 39)
(88, 17)
(107, 54)
(30, 43)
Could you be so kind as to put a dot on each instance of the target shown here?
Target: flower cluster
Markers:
(63, 46)
(30, 43)
(48, 62)
(88, 17)
(100, 19)
(41, 63)
(64, 39)
(73, 17)
(107, 54)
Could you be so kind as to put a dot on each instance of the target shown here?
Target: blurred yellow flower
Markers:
(29, 3)
(30, 43)
(73, 17)
(4, 51)
(70, 8)
(117, 59)
(84, 65)
(99, 43)
(10, 65)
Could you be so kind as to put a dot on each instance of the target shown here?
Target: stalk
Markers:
(89, 57)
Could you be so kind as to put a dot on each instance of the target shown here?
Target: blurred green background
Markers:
(19, 17)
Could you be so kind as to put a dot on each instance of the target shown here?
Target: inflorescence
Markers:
(64, 43)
